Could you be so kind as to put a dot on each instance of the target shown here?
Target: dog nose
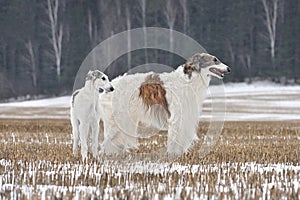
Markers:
(111, 89)
(228, 69)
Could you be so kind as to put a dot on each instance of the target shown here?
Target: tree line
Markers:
(42, 43)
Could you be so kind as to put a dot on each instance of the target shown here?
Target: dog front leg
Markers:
(182, 128)
(181, 136)
(75, 135)
(174, 146)
(83, 131)
(95, 136)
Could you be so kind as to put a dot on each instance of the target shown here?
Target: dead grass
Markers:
(38, 146)
(261, 142)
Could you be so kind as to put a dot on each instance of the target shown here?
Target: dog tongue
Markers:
(101, 90)
(216, 71)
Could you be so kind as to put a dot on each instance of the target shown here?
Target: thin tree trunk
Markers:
(231, 52)
(170, 14)
(32, 63)
(128, 23)
(143, 9)
(183, 4)
(93, 34)
(12, 68)
(271, 13)
(56, 33)
(4, 51)
(246, 62)
(90, 26)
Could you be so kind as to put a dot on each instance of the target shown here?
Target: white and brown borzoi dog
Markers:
(85, 111)
(167, 101)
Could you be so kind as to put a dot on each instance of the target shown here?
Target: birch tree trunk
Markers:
(143, 9)
(32, 62)
(186, 22)
(128, 24)
(246, 61)
(93, 34)
(170, 13)
(56, 32)
(271, 14)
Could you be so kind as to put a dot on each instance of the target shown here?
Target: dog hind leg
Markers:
(111, 144)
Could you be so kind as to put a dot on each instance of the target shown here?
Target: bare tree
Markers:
(245, 59)
(93, 32)
(6, 86)
(143, 10)
(170, 13)
(230, 50)
(128, 24)
(56, 31)
(4, 55)
(186, 20)
(107, 22)
(32, 62)
(112, 22)
(92, 29)
(271, 15)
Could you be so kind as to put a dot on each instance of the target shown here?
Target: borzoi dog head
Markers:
(99, 80)
(206, 64)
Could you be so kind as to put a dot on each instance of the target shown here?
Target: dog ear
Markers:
(188, 68)
(198, 61)
(202, 60)
(193, 64)
(89, 75)
(97, 74)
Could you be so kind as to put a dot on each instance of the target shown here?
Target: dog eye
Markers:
(215, 59)
(103, 78)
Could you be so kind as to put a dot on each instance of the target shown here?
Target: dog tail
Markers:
(73, 97)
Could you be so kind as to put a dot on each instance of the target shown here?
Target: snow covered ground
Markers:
(230, 180)
(244, 102)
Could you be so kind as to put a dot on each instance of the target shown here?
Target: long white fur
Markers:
(85, 112)
(184, 94)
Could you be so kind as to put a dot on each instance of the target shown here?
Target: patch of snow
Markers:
(261, 100)
(274, 175)
(63, 101)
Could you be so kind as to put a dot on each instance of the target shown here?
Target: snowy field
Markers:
(251, 161)
(232, 180)
(259, 101)
(256, 157)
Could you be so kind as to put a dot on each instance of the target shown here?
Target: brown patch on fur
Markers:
(188, 68)
(153, 92)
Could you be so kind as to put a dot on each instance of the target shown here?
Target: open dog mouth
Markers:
(217, 71)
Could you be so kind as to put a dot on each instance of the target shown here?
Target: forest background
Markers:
(43, 43)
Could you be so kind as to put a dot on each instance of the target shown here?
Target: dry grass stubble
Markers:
(39, 153)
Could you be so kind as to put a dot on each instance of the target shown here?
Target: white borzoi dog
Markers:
(85, 111)
(168, 101)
